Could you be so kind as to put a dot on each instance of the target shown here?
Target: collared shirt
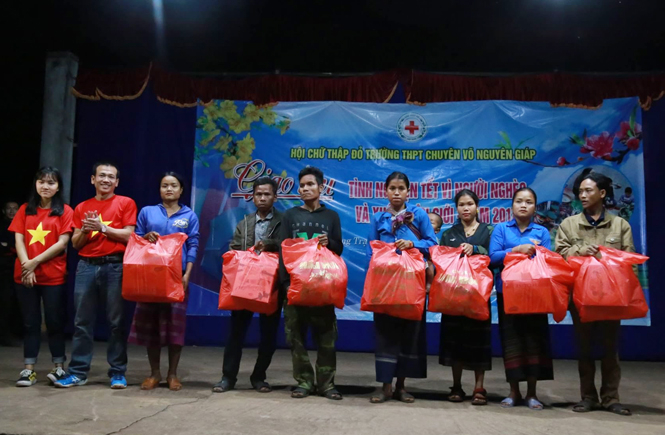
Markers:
(261, 226)
(382, 229)
(507, 235)
(594, 223)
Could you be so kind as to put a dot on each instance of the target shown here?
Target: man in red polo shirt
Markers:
(102, 226)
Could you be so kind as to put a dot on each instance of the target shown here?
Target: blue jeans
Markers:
(95, 285)
(55, 314)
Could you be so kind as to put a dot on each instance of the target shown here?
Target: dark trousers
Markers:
(55, 314)
(240, 321)
(606, 335)
(323, 323)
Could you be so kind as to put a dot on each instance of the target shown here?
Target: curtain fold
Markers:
(570, 90)
(560, 89)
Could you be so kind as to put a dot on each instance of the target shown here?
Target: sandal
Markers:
(262, 387)
(509, 402)
(586, 405)
(223, 386)
(403, 396)
(150, 383)
(456, 395)
(479, 397)
(619, 409)
(333, 394)
(380, 397)
(534, 404)
(174, 383)
(299, 393)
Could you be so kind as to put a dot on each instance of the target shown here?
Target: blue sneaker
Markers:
(70, 381)
(118, 382)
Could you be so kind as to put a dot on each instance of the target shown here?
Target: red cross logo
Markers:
(412, 127)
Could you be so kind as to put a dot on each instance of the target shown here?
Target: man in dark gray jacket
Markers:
(258, 230)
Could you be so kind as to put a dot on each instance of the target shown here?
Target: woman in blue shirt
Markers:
(525, 338)
(401, 346)
(157, 325)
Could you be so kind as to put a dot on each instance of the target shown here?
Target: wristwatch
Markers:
(103, 230)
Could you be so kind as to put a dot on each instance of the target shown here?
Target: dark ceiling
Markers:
(313, 36)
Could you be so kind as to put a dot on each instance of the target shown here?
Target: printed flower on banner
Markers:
(598, 146)
(602, 146)
(221, 126)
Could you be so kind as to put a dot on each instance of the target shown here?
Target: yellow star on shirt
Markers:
(107, 223)
(38, 235)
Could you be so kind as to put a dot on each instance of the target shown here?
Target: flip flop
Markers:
(619, 409)
(534, 404)
(508, 402)
(299, 393)
(174, 383)
(262, 387)
(223, 386)
(150, 383)
(379, 398)
(586, 405)
(332, 394)
(403, 396)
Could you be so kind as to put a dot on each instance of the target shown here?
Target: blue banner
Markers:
(490, 147)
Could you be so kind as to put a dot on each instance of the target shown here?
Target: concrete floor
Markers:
(95, 409)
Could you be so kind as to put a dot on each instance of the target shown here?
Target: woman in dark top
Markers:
(466, 344)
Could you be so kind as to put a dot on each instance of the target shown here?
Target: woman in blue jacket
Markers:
(157, 325)
(525, 338)
(401, 347)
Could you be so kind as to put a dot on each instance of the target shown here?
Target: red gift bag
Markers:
(462, 284)
(248, 281)
(395, 283)
(152, 272)
(607, 288)
(318, 275)
(536, 285)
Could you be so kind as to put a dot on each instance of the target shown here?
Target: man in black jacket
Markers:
(258, 230)
(308, 221)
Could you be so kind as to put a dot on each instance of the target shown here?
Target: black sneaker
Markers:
(28, 378)
(56, 374)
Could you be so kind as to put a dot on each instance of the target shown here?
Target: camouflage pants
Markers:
(323, 322)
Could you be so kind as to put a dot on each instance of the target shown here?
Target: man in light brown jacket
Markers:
(580, 235)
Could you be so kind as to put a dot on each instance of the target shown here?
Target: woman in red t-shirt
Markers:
(42, 229)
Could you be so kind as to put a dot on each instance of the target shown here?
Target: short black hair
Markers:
(105, 163)
(175, 175)
(311, 170)
(438, 217)
(602, 182)
(397, 176)
(525, 189)
(628, 190)
(265, 180)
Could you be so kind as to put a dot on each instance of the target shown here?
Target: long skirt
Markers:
(158, 325)
(466, 341)
(401, 348)
(525, 339)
